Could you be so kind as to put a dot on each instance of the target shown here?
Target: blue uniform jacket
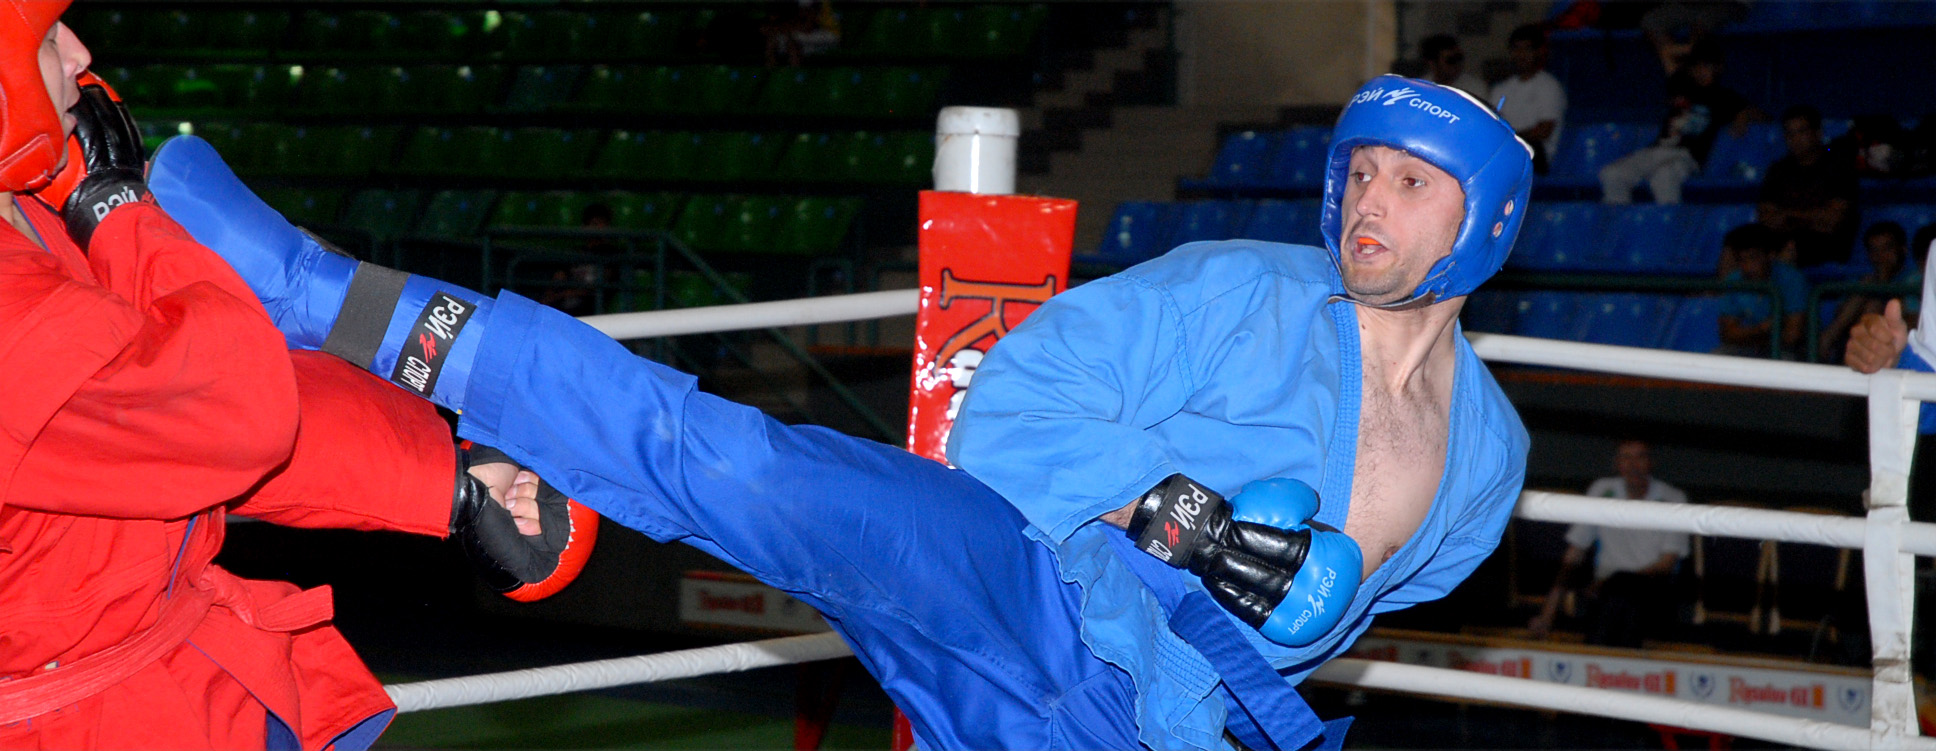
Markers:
(1228, 362)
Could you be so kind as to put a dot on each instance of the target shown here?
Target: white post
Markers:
(1888, 572)
(974, 150)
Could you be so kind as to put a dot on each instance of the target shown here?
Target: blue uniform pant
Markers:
(925, 571)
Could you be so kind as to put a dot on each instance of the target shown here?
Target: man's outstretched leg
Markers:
(925, 571)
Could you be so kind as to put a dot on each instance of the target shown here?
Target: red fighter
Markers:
(147, 396)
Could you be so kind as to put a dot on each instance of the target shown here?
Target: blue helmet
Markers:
(1456, 133)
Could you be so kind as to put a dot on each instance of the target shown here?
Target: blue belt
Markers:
(1265, 712)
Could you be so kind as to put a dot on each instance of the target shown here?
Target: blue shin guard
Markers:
(418, 332)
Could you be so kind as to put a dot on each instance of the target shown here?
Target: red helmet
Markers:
(30, 128)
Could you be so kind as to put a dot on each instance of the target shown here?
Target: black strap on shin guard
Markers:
(367, 309)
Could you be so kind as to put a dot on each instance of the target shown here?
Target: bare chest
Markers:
(1401, 459)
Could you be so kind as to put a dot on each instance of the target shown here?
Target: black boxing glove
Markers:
(519, 566)
(110, 171)
(1255, 553)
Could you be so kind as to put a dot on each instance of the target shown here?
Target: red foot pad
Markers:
(584, 536)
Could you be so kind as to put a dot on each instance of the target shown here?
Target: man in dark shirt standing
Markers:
(1810, 194)
(1697, 108)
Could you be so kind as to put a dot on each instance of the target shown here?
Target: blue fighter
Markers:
(1134, 555)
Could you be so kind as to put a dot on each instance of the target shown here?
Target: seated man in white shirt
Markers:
(1633, 568)
(1531, 99)
(1445, 64)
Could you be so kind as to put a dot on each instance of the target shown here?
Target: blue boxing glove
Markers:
(1260, 554)
(419, 333)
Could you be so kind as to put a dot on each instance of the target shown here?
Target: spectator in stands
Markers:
(795, 29)
(1632, 568)
(1698, 106)
(1887, 245)
(1445, 64)
(1676, 27)
(1810, 194)
(1531, 99)
(1745, 316)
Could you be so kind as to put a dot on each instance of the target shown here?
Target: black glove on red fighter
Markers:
(520, 566)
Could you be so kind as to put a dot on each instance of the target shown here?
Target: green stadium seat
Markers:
(549, 34)
(251, 31)
(275, 148)
(171, 31)
(642, 211)
(815, 225)
(902, 92)
(546, 152)
(850, 160)
(144, 87)
(252, 89)
(752, 224)
(905, 158)
(450, 151)
(790, 91)
(455, 214)
(318, 151)
(348, 31)
(718, 89)
(383, 213)
(306, 207)
(892, 32)
(438, 34)
(840, 92)
(702, 224)
(108, 28)
(738, 156)
(645, 33)
(808, 157)
(536, 88)
(999, 30)
(610, 88)
(449, 89)
(554, 209)
(653, 155)
(349, 89)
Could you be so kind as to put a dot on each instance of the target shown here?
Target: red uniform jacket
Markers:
(146, 394)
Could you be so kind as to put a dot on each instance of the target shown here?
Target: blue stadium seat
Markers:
(1650, 239)
(1696, 326)
(1586, 147)
(1626, 318)
(1744, 160)
(1558, 236)
(1549, 315)
(1285, 222)
(1243, 159)
(1139, 231)
(1495, 311)
(1299, 159)
(1208, 220)
(1712, 223)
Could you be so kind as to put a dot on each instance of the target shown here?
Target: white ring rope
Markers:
(1634, 361)
(1470, 686)
(1842, 532)
(805, 311)
(586, 676)
(1728, 521)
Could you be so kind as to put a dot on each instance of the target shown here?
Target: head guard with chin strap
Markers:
(31, 139)
(1453, 132)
